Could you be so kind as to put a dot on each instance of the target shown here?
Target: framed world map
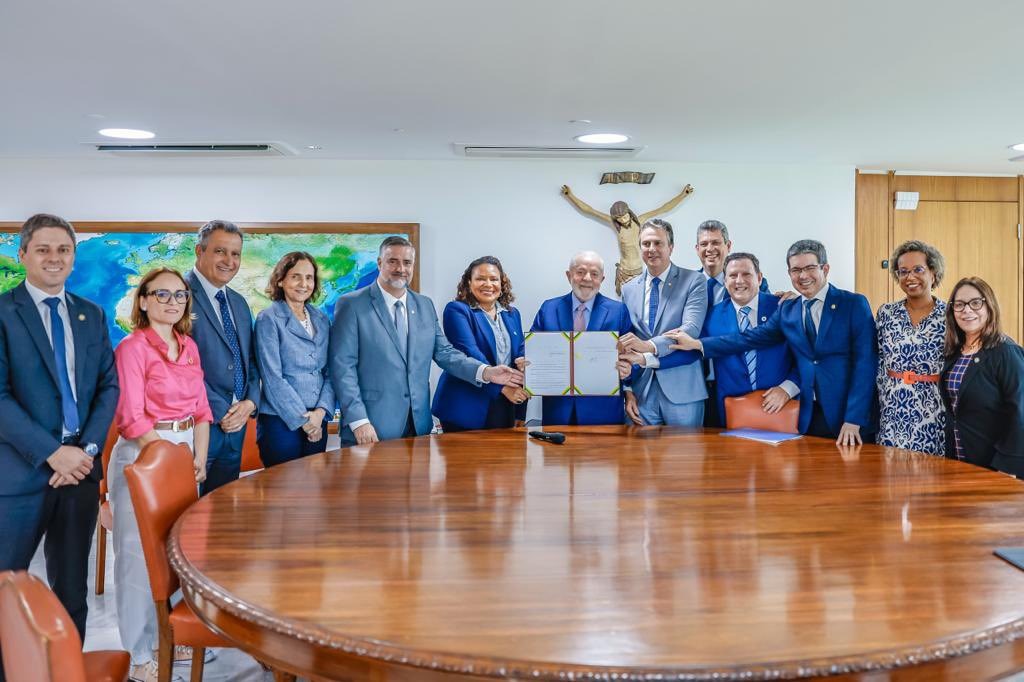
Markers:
(111, 258)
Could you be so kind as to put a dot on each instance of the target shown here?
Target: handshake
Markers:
(632, 349)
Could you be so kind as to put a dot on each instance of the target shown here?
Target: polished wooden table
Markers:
(624, 554)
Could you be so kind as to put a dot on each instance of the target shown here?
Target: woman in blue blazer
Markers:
(482, 323)
(291, 351)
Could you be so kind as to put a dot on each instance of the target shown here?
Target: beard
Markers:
(397, 282)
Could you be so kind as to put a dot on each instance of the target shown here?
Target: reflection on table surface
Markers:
(652, 547)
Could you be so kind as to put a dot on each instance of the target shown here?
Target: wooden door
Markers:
(977, 238)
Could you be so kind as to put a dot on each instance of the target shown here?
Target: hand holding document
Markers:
(572, 363)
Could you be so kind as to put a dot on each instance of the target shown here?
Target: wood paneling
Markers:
(626, 553)
(872, 239)
(977, 239)
(958, 188)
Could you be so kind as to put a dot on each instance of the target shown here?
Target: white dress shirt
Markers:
(211, 293)
(651, 359)
(38, 298)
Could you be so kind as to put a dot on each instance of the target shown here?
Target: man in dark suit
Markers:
(583, 309)
(223, 332)
(58, 391)
(383, 340)
(831, 333)
(770, 369)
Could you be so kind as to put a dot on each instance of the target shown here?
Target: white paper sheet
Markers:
(547, 369)
(595, 356)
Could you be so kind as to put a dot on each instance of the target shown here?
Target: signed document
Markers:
(571, 363)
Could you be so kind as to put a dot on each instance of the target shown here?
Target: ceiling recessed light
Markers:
(601, 138)
(313, 147)
(1017, 147)
(581, 120)
(127, 133)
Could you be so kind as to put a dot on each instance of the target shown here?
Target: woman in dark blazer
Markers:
(291, 351)
(482, 323)
(982, 382)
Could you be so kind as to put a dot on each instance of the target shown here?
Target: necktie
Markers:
(712, 284)
(402, 327)
(67, 398)
(809, 329)
(579, 324)
(652, 308)
(750, 356)
(232, 336)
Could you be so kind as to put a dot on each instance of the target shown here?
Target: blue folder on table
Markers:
(769, 437)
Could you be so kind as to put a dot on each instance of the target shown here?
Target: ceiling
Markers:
(913, 85)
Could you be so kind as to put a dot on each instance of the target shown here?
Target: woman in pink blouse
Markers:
(162, 397)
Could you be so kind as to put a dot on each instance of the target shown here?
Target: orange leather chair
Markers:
(250, 450)
(744, 412)
(105, 521)
(162, 485)
(39, 641)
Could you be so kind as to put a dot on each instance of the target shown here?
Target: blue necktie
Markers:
(402, 327)
(750, 356)
(652, 308)
(712, 283)
(812, 333)
(67, 396)
(232, 336)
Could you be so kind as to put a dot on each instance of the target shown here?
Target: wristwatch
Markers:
(90, 449)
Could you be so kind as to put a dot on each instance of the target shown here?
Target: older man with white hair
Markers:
(584, 308)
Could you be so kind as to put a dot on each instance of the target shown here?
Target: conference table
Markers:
(626, 553)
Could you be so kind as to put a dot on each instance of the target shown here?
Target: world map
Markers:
(109, 265)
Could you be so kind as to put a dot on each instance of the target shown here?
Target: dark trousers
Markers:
(501, 414)
(224, 458)
(67, 516)
(279, 444)
(711, 416)
(819, 426)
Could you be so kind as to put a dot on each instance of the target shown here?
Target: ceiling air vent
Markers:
(196, 149)
(540, 152)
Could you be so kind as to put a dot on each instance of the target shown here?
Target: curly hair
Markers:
(463, 293)
(933, 259)
(274, 290)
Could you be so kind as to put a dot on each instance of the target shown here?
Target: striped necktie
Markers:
(750, 356)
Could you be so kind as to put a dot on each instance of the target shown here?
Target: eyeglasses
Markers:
(165, 295)
(806, 270)
(975, 303)
(918, 270)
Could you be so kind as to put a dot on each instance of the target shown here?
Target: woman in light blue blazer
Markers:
(482, 323)
(291, 351)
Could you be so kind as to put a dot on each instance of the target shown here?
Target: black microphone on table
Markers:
(549, 436)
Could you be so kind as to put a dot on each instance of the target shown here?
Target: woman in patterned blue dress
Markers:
(911, 338)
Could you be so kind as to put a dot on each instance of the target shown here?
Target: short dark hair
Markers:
(808, 246)
(740, 255)
(663, 225)
(203, 236)
(713, 226)
(462, 292)
(393, 240)
(991, 335)
(274, 291)
(932, 257)
(40, 221)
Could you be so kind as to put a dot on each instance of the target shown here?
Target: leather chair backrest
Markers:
(38, 638)
(108, 447)
(744, 412)
(250, 449)
(162, 484)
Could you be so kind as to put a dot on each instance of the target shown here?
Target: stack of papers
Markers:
(769, 437)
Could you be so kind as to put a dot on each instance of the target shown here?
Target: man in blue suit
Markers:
(769, 369)
(662, 298)
(383, 340)
(583, 309)
(58, 391)
(222, 330)
(831, 333)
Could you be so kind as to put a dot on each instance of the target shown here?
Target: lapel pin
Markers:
(977, 359)
(764, 318)
(81, 317)
(833, 306)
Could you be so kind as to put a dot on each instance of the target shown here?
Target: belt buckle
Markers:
(909, 378)
(176, 426)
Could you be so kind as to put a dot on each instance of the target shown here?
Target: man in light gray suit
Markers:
(382, 342)
(667, 388)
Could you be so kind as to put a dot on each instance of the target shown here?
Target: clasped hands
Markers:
(70, 465)
(314, 426)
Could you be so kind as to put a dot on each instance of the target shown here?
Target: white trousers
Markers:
(136, 613)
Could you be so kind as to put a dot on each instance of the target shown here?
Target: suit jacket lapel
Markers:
(794, 309)
(240, 317)
(663, 294)
(30, 317)
(78, 333)
(597, 314)
(386, 319)
(483, 328)
(202, 301)
(565, 313)
(828, 311)
(292, 324)
(973, 368)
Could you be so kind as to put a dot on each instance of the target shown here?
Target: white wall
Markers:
(510, 209)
